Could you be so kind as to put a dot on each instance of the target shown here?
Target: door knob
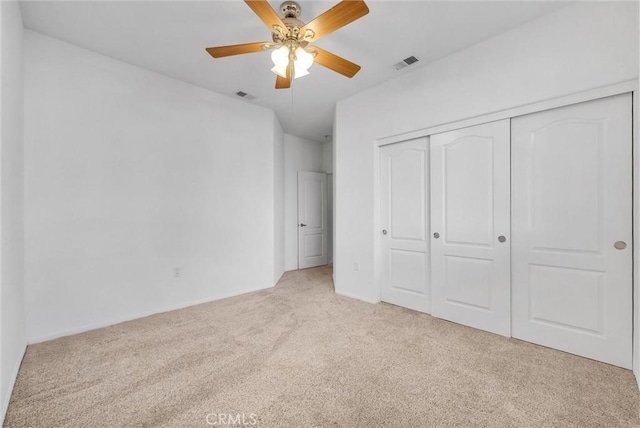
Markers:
(501, 238)
(620, 245)
(302, 225)
(436, 235)
(384, 231)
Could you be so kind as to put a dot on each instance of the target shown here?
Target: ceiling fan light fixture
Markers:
(280, 70)
(303, 61)
(299, 71)
(280, 57)
(303, 58)
(290, 36)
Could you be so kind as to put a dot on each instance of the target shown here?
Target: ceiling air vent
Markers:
(405, 62)
(244, 95)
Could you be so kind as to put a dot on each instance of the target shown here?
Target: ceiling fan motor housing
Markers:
(290, 11)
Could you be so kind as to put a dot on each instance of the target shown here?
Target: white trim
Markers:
(592, 94)
(377, 226)
(277, 280)
(12, 384)
(353, 296)
(636, 237)
(114, 321)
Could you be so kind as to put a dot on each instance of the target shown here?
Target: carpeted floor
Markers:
(299, 355)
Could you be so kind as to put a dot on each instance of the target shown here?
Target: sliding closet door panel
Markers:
(571, 228)
(470, 226)
(404, 201)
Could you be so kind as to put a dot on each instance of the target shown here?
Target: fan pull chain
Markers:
(291, 91)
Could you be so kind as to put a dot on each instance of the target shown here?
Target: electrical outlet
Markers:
(177, 272)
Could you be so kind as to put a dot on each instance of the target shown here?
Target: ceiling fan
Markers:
(291, 53)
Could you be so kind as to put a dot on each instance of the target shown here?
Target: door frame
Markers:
(325, 219)
(566, 100)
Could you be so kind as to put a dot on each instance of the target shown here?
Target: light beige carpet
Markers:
(299, 355)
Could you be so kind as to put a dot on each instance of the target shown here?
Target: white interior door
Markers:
(572, 207)
(404, 218)
(470, 226)
(312, 219)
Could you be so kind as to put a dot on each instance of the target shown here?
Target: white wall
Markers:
(278, 177)
(300, 154)
(583, 46)
(12, 322)
(130, 174)
(327, 156)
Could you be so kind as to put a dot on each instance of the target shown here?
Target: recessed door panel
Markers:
(565, 188)
(404, 221)
(554, 289)
(407, 188)
(314, 203)
(314, 244)
(468, 281)
(571, 204)
(470, 226)
(471, 157)
(407, 271)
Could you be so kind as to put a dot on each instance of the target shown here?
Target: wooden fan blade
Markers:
(334, 62)
(285, 82)
(338, 16)
(282, 83)
(222, 51)
(267, 14)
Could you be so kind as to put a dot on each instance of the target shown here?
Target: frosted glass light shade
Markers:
(298, 71)
(304, 59)
(280, 70)
(280, 56)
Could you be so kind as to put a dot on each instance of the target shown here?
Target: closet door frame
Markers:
(588, 95)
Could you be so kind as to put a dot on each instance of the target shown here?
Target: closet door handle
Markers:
(620, 245)
(436, 235)
(501, 238)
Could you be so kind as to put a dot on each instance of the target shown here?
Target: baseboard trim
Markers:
(118, 320)
(279, 277)
(353, 296)
(12, 384)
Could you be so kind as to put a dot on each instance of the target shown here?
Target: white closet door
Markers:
(404, 217)
(470, 226)
(571, 228)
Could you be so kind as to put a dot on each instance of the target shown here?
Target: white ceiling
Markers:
(170, 37)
